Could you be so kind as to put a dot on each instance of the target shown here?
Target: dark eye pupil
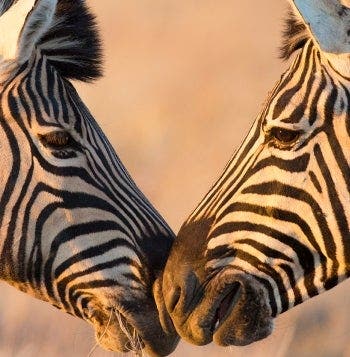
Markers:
(285, 136)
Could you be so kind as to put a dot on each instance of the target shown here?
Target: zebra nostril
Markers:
(176, 294)
(174, 297)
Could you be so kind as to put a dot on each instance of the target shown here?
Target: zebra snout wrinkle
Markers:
(173, 298)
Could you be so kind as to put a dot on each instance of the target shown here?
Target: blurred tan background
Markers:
(184, 80)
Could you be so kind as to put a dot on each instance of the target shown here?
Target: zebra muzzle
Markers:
(134, 328)
(113, 332)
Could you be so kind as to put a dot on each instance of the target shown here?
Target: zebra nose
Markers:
(184, 272)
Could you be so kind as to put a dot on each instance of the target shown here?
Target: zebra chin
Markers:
(233, 310)
(120, 331)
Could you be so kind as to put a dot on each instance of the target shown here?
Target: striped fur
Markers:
(75, 230)
(274, 229)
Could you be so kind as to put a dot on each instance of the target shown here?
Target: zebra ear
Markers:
(329, 23)
(22, 26)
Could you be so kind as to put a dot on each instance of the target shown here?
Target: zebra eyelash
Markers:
(58, 141)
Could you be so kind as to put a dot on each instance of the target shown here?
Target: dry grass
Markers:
(134, 344)
(93, 349)
(184, 80)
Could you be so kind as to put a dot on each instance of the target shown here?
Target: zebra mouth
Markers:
(225, 306)
(120, 334)
(137, 331)
(242, 313)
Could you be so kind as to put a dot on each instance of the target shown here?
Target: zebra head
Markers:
(75, 230)
(274, 229)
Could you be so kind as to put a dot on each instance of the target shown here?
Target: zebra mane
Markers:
(294, 35)
(72, 43)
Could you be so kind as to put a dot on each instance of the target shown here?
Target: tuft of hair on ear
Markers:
(72, 44)
(294, 35)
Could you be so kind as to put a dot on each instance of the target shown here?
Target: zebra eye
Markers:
(57, 140)
(284, 137)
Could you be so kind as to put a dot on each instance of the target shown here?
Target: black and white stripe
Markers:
(278, 217)
(291, 200)
(74, 228)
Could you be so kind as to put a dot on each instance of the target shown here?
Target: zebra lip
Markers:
(227, 302)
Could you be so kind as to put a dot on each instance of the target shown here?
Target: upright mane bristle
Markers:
(72, 43)
(294, 35)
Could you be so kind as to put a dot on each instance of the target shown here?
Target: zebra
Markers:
(75, 230)
(273, 231)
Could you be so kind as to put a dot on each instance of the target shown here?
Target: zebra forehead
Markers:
(72, 43)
